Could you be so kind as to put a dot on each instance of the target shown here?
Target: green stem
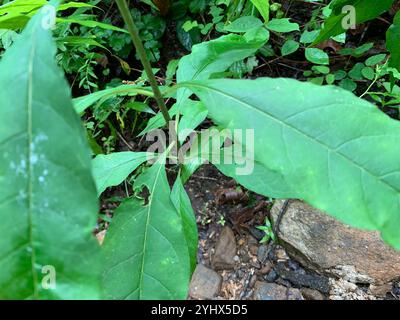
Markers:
(126, 15)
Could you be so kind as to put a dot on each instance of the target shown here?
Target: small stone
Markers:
(252, 241)
(303, 280)
(262, 253)
(281, 255)
(205, 284)
(396, 289)
(283, 282)
(272, 276)
(380, 290)
(294, 294)
(225, 251)
(269, 291)
(253, 250)
(245, 256)
(265, 269)
(310, 294)
(256, 233)
(293, 265)
(253, 280)
(255, 264)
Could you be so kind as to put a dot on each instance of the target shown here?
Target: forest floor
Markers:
(227, 218)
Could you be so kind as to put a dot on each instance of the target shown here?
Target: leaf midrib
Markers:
(149, 206)
(30, 165)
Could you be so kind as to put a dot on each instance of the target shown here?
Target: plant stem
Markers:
(126, 15)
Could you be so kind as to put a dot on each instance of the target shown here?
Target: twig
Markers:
(124, 141)
(280, 216)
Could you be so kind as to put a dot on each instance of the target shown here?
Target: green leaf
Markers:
(356, 72)
(309, 36)
(80, 41)
(217, 56)
(182, 203)
(368, 73)
(320, 69)
(393, 42)
(16, 14)
(262, 7)
(139, 106)
(357, 52)
(374, 60)
(91, 24)
(305, 148)
(364, 10)
(111, 170)
(199, 151)
(330, 78)
(187, 39)
(193, 114)
(48, 203)
(317, 56)
(243, 24)
(282, 25)
(146, 251)
(348, 84)
(289, 47)
(82, 103)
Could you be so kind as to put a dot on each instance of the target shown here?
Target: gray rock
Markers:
(225, 251)
(205, 284)
(294, 294)
(262, 253)
(265, 269)
(380, 291)
(303, 280)
(311, 294)
(271, 276)
(272, 291)
(269, 291)
(326, 245)
(253, 249)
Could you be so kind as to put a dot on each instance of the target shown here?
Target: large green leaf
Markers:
(183, 205)
(91, 24)
(322, 144)
(146, 251)
(112, 169)
(393, 42)
(216, 56)
(16, 14)
(48, 204)
(84, 102)
(364, 9)
(262, 7)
